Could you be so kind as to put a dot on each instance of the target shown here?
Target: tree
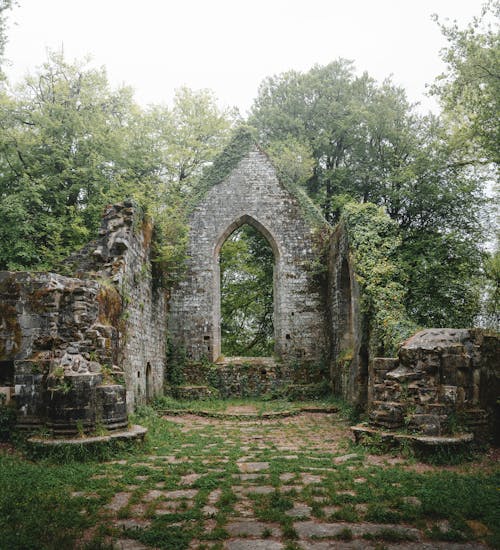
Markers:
(171, 147)
(470, 88)
(247, 262)
(367, 144)
(70, 144)
(357, 132)
(5, 5)
(61, 148)
(491, 310)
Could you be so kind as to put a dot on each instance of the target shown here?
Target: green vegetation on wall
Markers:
(374, 242)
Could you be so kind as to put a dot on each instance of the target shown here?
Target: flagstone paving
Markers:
(290, 483)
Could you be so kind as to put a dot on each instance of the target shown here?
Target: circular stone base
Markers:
(134, 432)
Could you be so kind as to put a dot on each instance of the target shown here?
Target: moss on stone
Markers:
(9, 326)
(10, 287)
(110, 305)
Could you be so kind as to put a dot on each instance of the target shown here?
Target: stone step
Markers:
(194, 392)
(254, 361)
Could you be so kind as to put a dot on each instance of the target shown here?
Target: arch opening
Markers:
(149, 383)
(245, 298)
(345, 330)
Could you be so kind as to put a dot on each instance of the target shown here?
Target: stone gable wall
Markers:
(250, 194)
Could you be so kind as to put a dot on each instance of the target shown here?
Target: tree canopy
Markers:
(469, 90)
(350, 139)
(70, 144)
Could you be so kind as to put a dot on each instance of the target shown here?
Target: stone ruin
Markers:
(79, 352)
(444, 382)
(73, 350)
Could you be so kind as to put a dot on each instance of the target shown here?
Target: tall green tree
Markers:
(469, 90)
(368, 144)
(71, 144)
(60, 150)
(5, 6)
(358, 133)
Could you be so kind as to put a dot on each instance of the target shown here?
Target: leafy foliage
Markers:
(375, 241)
(60, 151)
(470, 88)
(70, 145)
(246, 263)
(5, 5)
(491, 312)
(348, 138)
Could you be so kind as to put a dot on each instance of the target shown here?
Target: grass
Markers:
(54, 502)
(262, 406)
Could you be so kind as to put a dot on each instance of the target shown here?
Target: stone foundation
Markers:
(444, 381)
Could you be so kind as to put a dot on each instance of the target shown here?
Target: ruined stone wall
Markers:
(348, 355)
(122, 255)
(77, 352)
(57, 333)
(444, 380)
(250, 194)
(250, 377)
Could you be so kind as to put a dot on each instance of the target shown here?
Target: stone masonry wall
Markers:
(250, 194)
(122, 255)
(77, 352)
(250, 377)
(57, 333)
(443, 380)
(348, 354)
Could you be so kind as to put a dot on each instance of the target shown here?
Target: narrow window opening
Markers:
(149, 383)
(6, 373)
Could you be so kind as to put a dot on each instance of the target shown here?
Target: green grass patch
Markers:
(37, 509)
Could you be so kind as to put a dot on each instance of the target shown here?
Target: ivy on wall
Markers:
(374, 243)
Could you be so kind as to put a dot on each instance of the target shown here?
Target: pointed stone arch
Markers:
(245, 219)
(251, 193)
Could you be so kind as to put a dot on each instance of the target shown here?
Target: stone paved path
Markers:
(252, 484)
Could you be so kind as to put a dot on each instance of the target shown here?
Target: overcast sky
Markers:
(229, 46)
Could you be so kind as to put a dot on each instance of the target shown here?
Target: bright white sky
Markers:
(230, 46)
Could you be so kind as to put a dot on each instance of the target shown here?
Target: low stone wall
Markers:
(251, 377)
(59, 337)
(444, 381)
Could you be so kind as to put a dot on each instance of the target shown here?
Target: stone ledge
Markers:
(394, 438)
(134, 432)
(246, 416)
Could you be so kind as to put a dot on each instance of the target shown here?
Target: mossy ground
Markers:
(222, 483)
